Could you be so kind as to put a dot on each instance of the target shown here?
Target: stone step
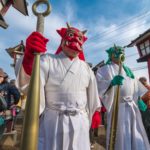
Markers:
(9, 139)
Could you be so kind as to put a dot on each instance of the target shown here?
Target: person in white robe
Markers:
(130, 134)
(68, 91)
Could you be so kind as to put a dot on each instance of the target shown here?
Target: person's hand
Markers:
(1, 94)
(117, 80)
(12, 106)
(35, 43)
(141, 105)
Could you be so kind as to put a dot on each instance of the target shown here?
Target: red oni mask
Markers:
(72, 41)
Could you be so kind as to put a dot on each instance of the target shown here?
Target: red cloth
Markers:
(96, 120)
(36, 42)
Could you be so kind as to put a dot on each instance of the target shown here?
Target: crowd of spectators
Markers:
(9, 98)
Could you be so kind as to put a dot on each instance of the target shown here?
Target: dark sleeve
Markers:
(15, 93)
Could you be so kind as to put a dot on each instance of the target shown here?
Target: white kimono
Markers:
(131, 134)
(68, 99)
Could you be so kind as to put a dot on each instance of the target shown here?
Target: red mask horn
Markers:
(84, 31)
(68, 26)
(62, 31)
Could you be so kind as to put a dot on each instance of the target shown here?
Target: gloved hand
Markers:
(96, 120)
(142, 106)
(117, 80)
(36, 42)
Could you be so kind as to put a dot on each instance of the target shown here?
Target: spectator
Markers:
(3, 104)
(12, 82)
(8, 90)
(10, 95)
(146, 114)
(143, 80)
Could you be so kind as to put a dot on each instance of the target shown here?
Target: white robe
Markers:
(64, 85)
(131, 134)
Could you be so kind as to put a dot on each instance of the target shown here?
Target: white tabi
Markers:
(68, 99)
(131, 134)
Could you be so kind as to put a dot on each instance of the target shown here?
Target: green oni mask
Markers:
(115, 51)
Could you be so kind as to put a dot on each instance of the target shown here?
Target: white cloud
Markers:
(118, 34)
(102, 33)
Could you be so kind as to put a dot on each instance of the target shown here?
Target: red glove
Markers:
(36, 42)
(96, 120)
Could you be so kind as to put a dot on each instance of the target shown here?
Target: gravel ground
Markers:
(6, 143)
(100, 140)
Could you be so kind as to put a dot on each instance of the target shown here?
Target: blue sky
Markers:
(107, 22)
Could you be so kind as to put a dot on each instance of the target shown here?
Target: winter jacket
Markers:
(10, 94)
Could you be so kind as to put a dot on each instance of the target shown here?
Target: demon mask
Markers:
(72, 42)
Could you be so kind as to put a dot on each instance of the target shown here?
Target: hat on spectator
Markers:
(143, 79)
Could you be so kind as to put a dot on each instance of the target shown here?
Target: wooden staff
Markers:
(31, 121)
(114, 117)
